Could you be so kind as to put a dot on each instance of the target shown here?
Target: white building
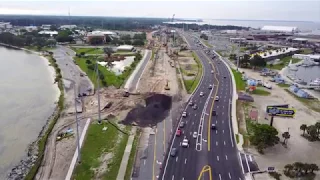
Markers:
(70, 26)
(285, 29)
(5, 25)
(125, 48)
(31, 28)
(307, 56)
(46, 26)
(51, 33)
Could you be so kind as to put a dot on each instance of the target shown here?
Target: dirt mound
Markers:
(156, 109)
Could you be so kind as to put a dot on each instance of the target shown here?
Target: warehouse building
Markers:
(125, 48)
(280, 29)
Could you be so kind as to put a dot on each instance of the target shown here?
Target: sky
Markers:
(237, 9)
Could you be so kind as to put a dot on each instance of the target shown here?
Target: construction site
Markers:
(158, 93)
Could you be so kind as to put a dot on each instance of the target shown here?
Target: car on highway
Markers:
(201, 94)
(213, 126)
(185, 143)
(217, 98)
(195, 134)
(191, 103)
(173, 152)
(178, 133)
(211, 71)
(210, 86)
(195, 107)
(184, 114)
(181, 125)
(224, 76)
(214, 113)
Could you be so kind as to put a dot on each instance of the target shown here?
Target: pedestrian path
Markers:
(126, 155)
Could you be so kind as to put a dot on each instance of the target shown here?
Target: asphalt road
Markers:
(213, 153)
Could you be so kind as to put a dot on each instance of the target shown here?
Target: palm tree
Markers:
(286, 136)
(314, 167)
(288, 168)
(317, 125)
(298, 166)
(306, 168)
(303, 127)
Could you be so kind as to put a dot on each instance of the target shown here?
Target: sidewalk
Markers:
(126, 155)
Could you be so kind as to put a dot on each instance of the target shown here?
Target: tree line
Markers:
(299, 169)
(198, 27)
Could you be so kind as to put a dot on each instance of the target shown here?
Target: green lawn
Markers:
(261, 92)
(124, 53)
(34, 48)
(284, 62)
(132, 155)
(237, 138)
(313, 104)
(96, 145)
(241, 84)
(243, 49)
(88, 50)
(110, 78)
(306, 51)
(192, 84)
(283, 85)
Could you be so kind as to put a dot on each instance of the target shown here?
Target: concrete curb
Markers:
(75, 156)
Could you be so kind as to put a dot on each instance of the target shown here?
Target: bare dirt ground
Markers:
(298, 148)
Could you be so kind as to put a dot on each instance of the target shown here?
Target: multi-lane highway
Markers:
(212, 154)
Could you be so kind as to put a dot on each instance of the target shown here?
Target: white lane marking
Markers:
(250, 157)
(216, 143)
(229, 175)
(195, 115)
(192, 123)
(220, 176)
(222, 113)
(222, 107)
(216, 121)
(226, 157)
(217, 107)
(185, 161)
(222, 121)
(176, 159)
(182, 178)
(144, 162)
(224, 142)
(216, 132)
(239, 178)
(182, 132)
(180, 143)
(241, 162)
(230, 123)
(190, 133)
(217, 158)
(223, 131)
(172, 177)
(247, 162)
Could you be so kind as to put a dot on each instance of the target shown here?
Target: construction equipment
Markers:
(167, 86)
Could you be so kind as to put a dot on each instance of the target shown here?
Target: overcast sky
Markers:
(236, 9)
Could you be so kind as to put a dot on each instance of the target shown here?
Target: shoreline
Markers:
(21, 169)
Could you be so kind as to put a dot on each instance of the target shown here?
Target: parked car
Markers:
(178, 133)
(201, 94)
(217, 98)
(191, 103)
(213, 126)
(181, 125)
(195, 134)
(185, 143)
(184, 114)
(214, 113)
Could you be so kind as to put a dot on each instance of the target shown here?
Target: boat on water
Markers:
(300, 81)
(292, 67)
(315, 82)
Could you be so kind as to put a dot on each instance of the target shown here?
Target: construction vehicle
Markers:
(126, 93)
(167, 86)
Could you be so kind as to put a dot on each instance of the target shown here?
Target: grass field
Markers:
(132, 155)
(283, 85)
(261, 92)
(97, 144)
(284, 62)
(192, 84)
(88, 50)
(241, 85)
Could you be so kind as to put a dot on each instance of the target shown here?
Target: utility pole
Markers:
(98, 88)
(77, 121)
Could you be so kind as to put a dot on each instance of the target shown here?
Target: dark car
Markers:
(173, 152)
(214, 113)
(213, 126)
(224, 77)
(195, 106)
(181, 125)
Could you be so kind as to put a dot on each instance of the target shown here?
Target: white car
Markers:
(184, 114)
(211, 71)
(217, 98)
(201, 93)
(185, 143)
(195, 134)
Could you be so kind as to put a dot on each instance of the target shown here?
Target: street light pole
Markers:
(98, 94)
(77, 121)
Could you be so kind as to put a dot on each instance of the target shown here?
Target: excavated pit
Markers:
(156, 109)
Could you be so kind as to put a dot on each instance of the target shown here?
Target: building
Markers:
(51, 33)
(314, 57)
(300, 40)
(275, 54)
(64, 27)
(96, 34)
(284, 29)
(125, 48)
(5, 25)
(31, 28)
(237, 39)
(46, 27)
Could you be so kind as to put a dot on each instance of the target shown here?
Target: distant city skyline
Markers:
(226, 10)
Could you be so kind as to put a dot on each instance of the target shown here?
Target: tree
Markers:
(108, 51)
(288, 168)
(317, 125)
(264, 136)
(141, 36)
(88, 61)
(313, 167)
(312, 132)
(64, 36)
(128, 42)
(51, 43)
(138, 42)
(258, 61)
(96, 40)
(126, 37)
(244, 61)
(233, 57)
(286, 136)
(303, 127)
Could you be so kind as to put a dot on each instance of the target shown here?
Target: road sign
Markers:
(279, 106)
(284, 112)
(271, 168)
